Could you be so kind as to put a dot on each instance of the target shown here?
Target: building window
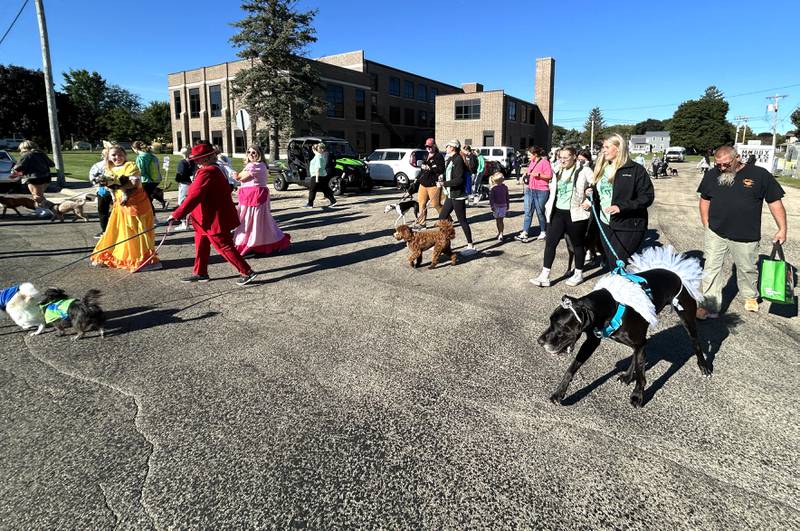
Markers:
(374, 78)
(468, 110)
(176, 97)
(394, 115)
(373, 106)
(422, 118)
(422, 92)
(361, 141)
(178, 141)
(336, 134)
(361, 113)
(524, 118)
(532, 117)
(194, 103)
(512, 111)
(195, 137)
(238, 141)
(408, 89)
(432, 94)
(216, 139)
(408, 119)
(375, 139)
(334, 96)
(394, 86)
(488, 140)
(215, 100)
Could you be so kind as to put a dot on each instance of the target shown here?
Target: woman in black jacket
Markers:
(622, 191)
(432, 168)
(453, 185)
(183, 176)
(34, 168)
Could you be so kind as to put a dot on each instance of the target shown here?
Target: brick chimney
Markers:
(470, 88)
(543, 98)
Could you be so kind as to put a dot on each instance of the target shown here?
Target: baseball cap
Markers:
(455, 143)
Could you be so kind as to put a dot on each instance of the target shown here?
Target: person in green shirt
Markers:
(148, 168)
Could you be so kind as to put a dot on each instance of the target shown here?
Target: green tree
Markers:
(23, 107)
(712, 93)
(651, 124)
(121, 125)
(86, 92)
(155, 120)
(279, 86)
(700, 124)
(596, 117)
(117, 96)
(624, 130)
(795, 117)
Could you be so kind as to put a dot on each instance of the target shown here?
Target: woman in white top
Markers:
(567, 213)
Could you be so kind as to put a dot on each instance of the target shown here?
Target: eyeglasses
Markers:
(252, 153)
(428, 147)
(724, 164)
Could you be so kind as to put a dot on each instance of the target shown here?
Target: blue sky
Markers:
(634, 64)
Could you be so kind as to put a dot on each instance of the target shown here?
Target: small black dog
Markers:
(671, 278)
(83, 314)
(673, 171)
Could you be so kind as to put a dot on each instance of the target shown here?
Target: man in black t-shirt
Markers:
(731, 199)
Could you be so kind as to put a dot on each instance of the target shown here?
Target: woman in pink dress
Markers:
(258, 232)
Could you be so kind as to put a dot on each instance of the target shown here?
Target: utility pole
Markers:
(55, 138)
(741, 121)
(773, 108)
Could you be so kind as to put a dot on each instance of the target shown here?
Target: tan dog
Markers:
(74, 206)
(14, 202)
(438, 238)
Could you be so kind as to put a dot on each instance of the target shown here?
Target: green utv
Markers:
(350, 172)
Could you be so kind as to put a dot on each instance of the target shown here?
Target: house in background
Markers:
(638, 144)
(658, 140)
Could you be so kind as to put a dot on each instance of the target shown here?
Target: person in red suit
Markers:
(213, 215)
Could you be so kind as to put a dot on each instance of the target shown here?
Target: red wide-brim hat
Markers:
(201, 151)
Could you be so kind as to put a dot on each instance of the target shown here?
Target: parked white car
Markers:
(502, 154)
(6, 163)
(675, 154)
(395, 166)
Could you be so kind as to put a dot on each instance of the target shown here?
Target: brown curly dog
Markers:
(438, 238)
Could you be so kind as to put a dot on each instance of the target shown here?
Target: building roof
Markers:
(657, 133)
(638, 139)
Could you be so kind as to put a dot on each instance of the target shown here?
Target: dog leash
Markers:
(153, 255)
(68, 264)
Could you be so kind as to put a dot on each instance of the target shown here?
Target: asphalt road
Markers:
(345, 390)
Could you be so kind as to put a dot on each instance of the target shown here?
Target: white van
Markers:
(502, 154)
(395, 166)
(675, 154)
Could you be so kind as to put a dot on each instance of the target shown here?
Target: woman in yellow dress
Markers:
(131, 215)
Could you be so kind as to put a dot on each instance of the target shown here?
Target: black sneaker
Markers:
(333, 203)
(98, 235)
(246, 279)
(196, 278)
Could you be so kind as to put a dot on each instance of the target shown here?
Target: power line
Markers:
(3, 38)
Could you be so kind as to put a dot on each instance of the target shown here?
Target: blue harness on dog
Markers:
(6, 295)
(616, 321)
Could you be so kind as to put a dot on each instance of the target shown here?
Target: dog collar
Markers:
(613, 325)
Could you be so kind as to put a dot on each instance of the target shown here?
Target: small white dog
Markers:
(24, 310)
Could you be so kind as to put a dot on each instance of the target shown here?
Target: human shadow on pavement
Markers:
(335, 240)
(145, 317)
(334, 262)
(321, 222)
(672, 345)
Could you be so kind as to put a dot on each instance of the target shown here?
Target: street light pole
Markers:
(55, 138)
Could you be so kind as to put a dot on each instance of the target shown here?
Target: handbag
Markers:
(776, 277)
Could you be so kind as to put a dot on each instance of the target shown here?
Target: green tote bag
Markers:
(777, 278)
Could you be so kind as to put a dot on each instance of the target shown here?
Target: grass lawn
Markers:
(788, 181)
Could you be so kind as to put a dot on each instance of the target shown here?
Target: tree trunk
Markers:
(274, 141)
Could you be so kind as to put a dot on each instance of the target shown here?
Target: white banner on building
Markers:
(765, 155)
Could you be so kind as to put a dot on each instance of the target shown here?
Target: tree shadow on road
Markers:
(672, 346)
(333, 262)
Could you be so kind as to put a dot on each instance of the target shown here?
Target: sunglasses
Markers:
(252, 153)
(724, 164)
(428, 147)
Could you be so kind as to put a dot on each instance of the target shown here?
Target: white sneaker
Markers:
(542, 236)
(500, 237)
(575, 279)
(542, 281)
(469, 251)
(181, 228)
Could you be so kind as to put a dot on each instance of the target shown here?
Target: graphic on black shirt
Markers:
(735, 210)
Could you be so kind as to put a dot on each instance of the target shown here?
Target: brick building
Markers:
(494, 118)
(370, 104)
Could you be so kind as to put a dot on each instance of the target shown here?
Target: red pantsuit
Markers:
(223, 243)
(214, 216)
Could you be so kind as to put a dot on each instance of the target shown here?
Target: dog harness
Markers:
(6, 295)
(616, 321)
(56, 311)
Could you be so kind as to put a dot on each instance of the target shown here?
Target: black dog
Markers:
(673, 171)
(402, 208)
(592, 313)
(83, 314)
